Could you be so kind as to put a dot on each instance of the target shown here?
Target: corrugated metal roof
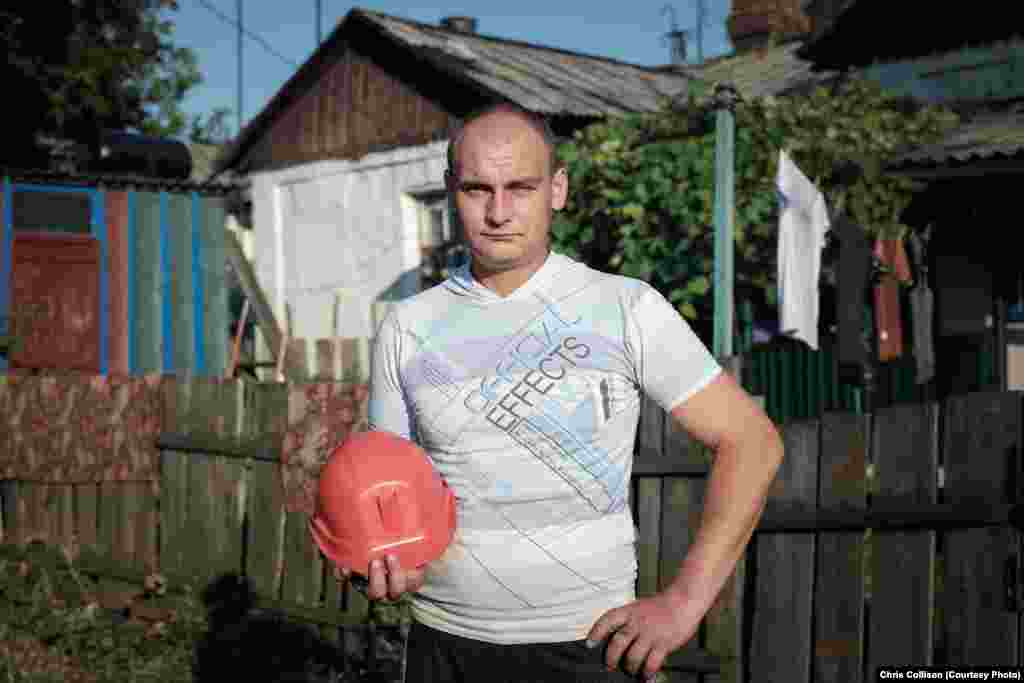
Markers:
(541, 79)
(983, 136)
(774, 70)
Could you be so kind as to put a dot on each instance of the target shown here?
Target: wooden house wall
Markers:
(356, 107)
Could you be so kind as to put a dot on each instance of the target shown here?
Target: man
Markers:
(521, 377)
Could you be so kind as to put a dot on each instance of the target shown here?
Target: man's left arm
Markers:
(747, 453)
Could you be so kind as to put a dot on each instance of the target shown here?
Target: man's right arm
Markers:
(388, 410)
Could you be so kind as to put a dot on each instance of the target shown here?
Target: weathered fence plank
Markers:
(781, 627)
(200, 537)
(199, 534)
(227, 484)
(11, 532)
(26, 505)
(303, 565)
(37, 512)
(173, 510)
(334, 600)
(982, 461)
(109, 519)
(648, 520)
(86, 512)
(839, 588)
(146, 531)
(265, 532)
(905, 454)
(682, 497)
(128, 521)
(682, 500)
(326, 360)
(266, 415)
(66, 516)
(50, 511)
(647, 504)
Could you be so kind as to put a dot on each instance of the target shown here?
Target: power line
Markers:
(252, 36)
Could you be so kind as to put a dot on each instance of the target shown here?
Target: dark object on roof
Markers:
(990, 136)
(480, 70)
(868, 31)
(130, 153)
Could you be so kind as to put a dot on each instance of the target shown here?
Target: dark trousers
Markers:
(434, 656)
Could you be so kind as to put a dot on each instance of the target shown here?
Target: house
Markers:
(346, 163)
(114, 265)
(973, 62)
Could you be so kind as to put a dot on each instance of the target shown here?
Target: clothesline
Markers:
(869, 273)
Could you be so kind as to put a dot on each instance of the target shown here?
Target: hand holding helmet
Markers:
(383, 513)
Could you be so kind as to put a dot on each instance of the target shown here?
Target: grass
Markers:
(56, 624)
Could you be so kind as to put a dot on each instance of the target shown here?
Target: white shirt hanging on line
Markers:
(803, 222)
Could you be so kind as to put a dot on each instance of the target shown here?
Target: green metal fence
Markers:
(800, 384)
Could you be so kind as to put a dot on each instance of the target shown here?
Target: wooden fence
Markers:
(862, 558)
(814, 603)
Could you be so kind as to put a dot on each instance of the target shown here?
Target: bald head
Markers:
(494, 120)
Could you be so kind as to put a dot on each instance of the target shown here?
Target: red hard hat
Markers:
(379, 494)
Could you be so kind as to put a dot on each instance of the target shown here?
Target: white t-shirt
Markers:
(528, 406)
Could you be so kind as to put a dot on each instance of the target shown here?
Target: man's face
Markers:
(505, 192)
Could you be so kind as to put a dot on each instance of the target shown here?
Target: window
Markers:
(435, 226)
(49, 211)
(440, 238)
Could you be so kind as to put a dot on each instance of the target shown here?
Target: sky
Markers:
(282, 35)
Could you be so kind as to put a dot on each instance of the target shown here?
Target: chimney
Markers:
(753, 23)
(459, 24)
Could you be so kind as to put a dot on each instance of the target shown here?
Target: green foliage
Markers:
(103, 64)
(642, 198)
(214, 129)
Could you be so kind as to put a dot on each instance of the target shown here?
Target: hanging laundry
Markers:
(893, 256)
(922, 311)
(853, 277)
(803, 222)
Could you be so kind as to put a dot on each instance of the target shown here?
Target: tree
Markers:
(643, 186)
(81, 66)
(214, 129)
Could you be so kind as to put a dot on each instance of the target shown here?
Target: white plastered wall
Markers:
(332, 239)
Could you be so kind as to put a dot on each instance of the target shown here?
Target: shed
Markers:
(112, 274)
